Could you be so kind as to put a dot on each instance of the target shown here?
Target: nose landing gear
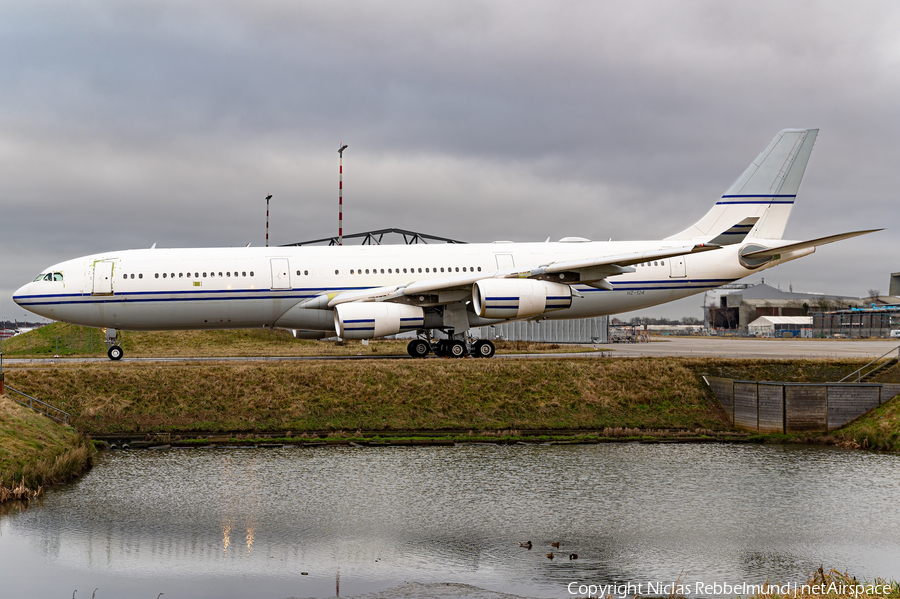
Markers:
(115, 351)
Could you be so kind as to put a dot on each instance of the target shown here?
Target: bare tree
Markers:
(874, 293)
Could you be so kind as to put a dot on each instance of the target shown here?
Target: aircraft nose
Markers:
(20, 293)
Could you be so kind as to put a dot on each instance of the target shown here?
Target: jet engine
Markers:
(365, 320)
(518, 298)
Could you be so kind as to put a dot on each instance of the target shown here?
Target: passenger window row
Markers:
(376, 271)
(187, 275)
(654, 263)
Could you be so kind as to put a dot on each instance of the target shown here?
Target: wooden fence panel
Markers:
(745, 406)
(771, 407)
(724, 392)
(805, 407)
(848, 402)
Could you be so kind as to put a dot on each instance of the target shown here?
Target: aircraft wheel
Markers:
(115, 353)
(417, 348)
(484, 349)
(457, 349)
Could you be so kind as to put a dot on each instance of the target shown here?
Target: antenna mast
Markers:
(341, 195)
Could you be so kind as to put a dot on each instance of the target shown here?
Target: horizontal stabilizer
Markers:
(803, 245)
(736, 233)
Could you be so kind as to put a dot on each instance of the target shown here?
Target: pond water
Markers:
(218, 523)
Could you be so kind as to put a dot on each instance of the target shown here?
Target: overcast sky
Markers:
(124, 124)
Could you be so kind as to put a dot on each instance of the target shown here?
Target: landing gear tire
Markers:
(484, 349)
(417, 348)
(457, 349)
(115, 353)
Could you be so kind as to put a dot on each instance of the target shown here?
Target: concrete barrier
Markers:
(778, 407)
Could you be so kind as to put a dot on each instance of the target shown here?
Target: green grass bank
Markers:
(36, 452)
(67, 340)
(375, 395)
(403, 395)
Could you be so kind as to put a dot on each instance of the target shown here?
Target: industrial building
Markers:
(739, 308)
(859, 323)
(768, 311)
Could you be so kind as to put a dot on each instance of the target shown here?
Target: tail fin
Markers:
(765, 191)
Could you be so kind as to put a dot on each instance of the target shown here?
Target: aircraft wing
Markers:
(594, 269)
(802, 245)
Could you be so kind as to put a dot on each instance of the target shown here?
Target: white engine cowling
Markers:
(365, 320)
(518, 298)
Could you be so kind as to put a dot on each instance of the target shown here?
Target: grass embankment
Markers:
(880, 428)
(425, 395)
(75, 341)
(832, 585)
(36, 452)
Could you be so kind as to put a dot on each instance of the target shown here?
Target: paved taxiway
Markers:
(711, 347)
(730, 347)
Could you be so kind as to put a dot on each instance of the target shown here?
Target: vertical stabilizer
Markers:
(765, 191)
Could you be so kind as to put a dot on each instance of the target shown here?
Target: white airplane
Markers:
(361, 292)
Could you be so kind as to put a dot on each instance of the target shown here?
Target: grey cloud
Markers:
(128, 123)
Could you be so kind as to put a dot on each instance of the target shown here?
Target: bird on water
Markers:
(526, 544)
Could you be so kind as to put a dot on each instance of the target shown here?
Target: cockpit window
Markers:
(57, 276)
(49, 276)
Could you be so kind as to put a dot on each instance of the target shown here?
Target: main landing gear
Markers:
(450, 348)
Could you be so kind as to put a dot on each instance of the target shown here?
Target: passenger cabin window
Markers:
(141, 276)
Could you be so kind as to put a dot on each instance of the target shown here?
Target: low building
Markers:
(781, 326)
(582, 330)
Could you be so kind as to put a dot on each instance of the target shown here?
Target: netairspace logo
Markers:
(624, 590)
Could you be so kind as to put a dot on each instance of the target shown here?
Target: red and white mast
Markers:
(268, 197)
(341, 195)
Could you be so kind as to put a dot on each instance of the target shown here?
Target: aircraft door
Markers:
(102, 278)
(505, 261)
(677, 267)
(281, 273)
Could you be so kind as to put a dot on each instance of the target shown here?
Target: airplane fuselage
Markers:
(218, 288)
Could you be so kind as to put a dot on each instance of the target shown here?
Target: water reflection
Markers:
(251, 519)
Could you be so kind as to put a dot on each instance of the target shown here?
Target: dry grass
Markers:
(879, 429)
(377, 395)
(795, 371)
(36, 452)
(833, 585)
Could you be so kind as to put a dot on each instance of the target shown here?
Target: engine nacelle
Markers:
(518, 298)
(365, 320)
